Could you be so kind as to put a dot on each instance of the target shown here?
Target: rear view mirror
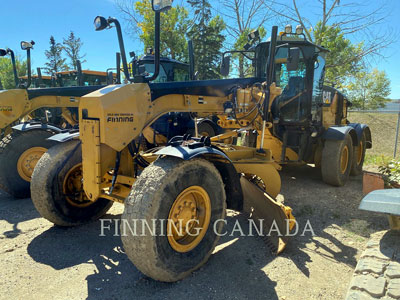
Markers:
(293, 59)
(3, 52)
(161, 5)
(225, 66)
(27, 45)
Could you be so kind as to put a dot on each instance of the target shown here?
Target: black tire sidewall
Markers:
(72, 213)
(356, 168)
(331, 161)
(182, 262)
(205, 127)
(152, 197)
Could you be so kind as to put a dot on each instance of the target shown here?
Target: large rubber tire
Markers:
(47, 188)
(331, 161)
(11, 148)
(358, 161)
(152, 197)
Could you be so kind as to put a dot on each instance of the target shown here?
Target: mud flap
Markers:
(275, 218)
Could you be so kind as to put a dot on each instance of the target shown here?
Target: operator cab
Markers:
(170, 69)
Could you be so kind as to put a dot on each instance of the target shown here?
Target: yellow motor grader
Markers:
(189, 183)
(175, 196)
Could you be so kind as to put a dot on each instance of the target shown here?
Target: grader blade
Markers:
(273, 219)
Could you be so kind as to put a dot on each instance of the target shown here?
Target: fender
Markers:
(33, 126)
(360, 129)
(63, 137)
(230, 177)
(340, 132)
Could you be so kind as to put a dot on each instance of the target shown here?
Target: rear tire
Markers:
(154, 196)
(337, 159)
(358, 157)
(19, 153)
(49, 181)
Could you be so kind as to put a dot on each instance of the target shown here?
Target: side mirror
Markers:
(27, 45)
(100, 23)
(161, 5)
(3, 52)
(293, 59)
(225, 66)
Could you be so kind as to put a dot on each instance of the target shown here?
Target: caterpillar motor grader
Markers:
(307, 120)
(186, 184)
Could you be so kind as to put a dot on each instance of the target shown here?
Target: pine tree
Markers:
(55, 63)
(72, 47)
(206, 34)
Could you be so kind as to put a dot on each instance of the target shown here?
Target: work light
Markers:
(288, 29)
(100, 23)
(299, 29)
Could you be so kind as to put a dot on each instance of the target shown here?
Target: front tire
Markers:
(337, 159)
(19, 154)
(57, 190)
(169, 189)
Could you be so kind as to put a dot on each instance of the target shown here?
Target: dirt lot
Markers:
(40, 261)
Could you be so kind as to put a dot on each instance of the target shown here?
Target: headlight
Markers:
(288, 29)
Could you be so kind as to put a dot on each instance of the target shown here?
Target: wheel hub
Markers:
(73, 188)
(28, 160)
(188, 219)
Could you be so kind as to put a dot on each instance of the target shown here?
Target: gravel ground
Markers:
(40, 261)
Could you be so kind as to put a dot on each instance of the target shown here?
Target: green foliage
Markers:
(369, 90)
(344, 58)
(55, 63)
(6, 71)
(207, 40)
(390, 171)
(72, 47)
(174, 25)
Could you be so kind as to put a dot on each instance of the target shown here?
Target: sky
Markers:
(38, 20)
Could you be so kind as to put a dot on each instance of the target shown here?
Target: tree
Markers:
(72, 47)
(344, 58)
(245, 67)
(56, 63)
(207, 37)
(243, 16)
(6, 71)
(339, 21)
(369, 90)
(174, 25)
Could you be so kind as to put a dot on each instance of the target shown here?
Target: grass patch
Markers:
(383, 131)
(358, 229)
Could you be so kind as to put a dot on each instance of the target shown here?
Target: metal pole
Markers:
(397, 133)
(196, 128)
